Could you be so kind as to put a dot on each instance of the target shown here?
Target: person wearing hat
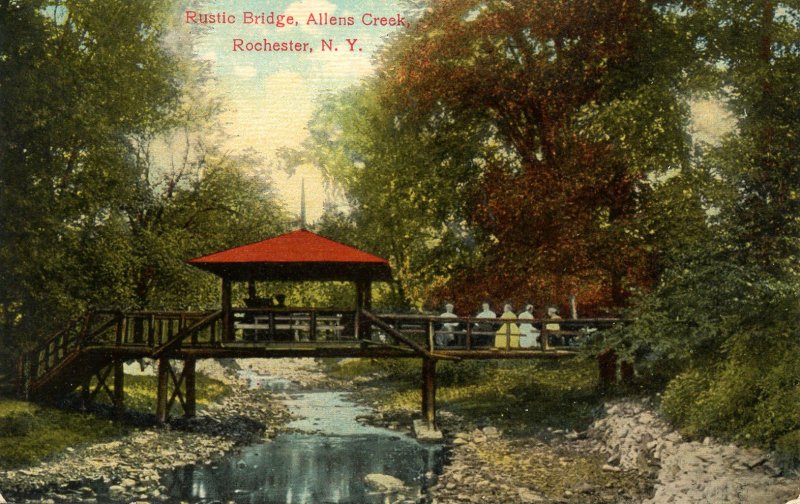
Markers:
(508, 334)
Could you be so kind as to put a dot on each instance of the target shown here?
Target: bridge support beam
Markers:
(119, 389)
(161, 394)
(190, 406)
(429, 392)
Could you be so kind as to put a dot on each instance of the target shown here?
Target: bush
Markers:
(788, 448)
(20, 424)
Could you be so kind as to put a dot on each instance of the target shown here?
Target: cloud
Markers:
(245, 72)
(271, 115)
(300, 10)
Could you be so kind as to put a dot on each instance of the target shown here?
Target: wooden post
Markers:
(429, 392)
(359, 305)
(190, 408)
(118, 329)
(227, 311)
(86, 391)
(607, 364)
(251, 289)
(119, 388)
(367, 302)
(626, 372)
(161, 395)
(151, 331)
(21, 381)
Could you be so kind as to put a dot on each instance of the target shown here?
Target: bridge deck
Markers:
(88, 350)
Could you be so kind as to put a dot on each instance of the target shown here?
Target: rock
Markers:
(491, 432)
(755, 461)
(526, 496)
(610, 468)
(585, 488)
(384, 483)
(116, 492)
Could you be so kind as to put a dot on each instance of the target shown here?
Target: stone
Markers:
(427, 433)
(491, 432)
(610, 468)
(526, 496)
(384, 483)
(116, 492)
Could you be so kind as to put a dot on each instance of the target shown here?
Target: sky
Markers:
(270, 96)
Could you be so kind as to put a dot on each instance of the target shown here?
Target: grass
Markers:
(140, 393)
(29, 433)
(521, 397)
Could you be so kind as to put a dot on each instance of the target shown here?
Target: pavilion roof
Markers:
(295, 256)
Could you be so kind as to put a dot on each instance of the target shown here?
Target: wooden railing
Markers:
(436, 333)
(65, 344)
(158, 333)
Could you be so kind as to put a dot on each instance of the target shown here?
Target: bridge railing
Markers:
(294, 325)
(148, 329)
(58, 348)
(436, 333)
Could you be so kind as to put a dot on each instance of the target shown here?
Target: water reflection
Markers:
(303, 468)
(324, 461)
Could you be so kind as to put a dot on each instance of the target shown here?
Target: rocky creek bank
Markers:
(636, 439)
(129, 469)
(629, 455)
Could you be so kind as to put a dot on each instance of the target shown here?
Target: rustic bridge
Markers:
(87, 356)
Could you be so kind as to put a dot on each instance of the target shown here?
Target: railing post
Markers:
(151, 331)
(431, 335)
(468, 342)
(508, 336)
(543, 336)
(120, 324)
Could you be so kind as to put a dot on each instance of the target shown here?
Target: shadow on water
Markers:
(323, 459)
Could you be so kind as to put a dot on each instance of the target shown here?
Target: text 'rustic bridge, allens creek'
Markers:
(87, 357)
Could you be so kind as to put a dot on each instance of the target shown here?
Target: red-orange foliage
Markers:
(558, 200)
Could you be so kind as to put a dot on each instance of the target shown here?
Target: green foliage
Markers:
(788, 448)
(38, 433)
(107, 181)
(17, 425)
(517, 396)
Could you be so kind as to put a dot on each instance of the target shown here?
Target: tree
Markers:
(88, 218)
(722, 316)
(553, 119)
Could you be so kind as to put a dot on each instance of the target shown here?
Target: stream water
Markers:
(324, 458)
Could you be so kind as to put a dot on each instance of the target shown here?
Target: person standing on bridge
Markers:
(508, 334)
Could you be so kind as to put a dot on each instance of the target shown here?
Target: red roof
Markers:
(296, 256)
(299, 246)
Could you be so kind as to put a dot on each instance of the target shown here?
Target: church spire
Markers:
(302, 203)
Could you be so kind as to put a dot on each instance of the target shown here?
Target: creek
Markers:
(323, 457)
